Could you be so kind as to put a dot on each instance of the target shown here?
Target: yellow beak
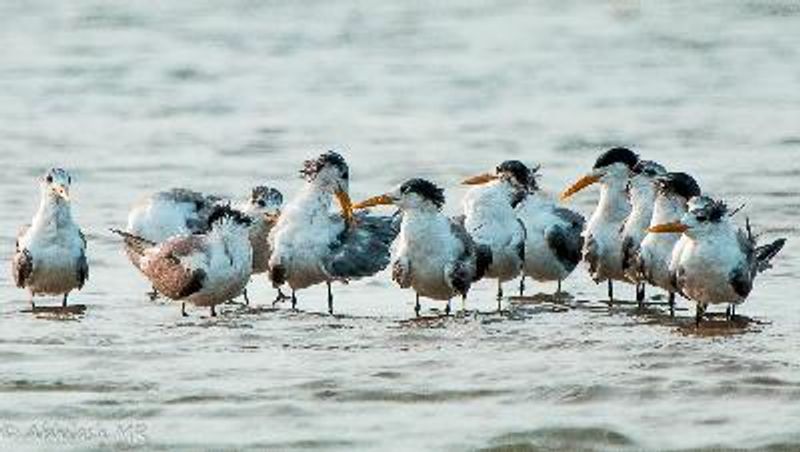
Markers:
(480, 179)
(382, 200)
(584, 182)
(669, 227)
(61, 191)
(346, 205)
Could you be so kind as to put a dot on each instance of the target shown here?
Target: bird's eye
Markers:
(346, 175)
(69, 180)
(701, 218)
(261, 203)
(49, 179)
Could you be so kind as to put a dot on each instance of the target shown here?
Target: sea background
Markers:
(133, 97)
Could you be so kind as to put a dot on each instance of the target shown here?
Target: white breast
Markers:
(428, 245)
(491, 221)
(537, 214)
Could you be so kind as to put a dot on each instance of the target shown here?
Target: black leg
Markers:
(246, 298)
(64, 301)
(183, 310)
(33, 304)
(672, 304)
(330, 299)
(417, 307)
(610, 291)
(499, 290)
(294, 300)
(153, 294)
(733, 311)
(698, 315)
(558, 290)
(447, 308)
(728, 313)
(213, 311)
(280, 297)
(640, 294)
(522, 286)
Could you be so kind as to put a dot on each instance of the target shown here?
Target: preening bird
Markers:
(202, 269)
(490, 219)
(603, 242)
(719, 260)
(433, 255)
(50, 254)
(310, 245)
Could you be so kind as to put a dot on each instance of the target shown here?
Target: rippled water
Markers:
(137, 96)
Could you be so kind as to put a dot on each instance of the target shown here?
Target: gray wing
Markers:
(629, 252)
(203, 206)
(22, 262)
(362, 250)
(741, 280)
(590, 254)
(566, 243)
(474, 260)
(168, 274)
(83, 264)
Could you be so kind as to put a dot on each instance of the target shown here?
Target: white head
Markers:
(56, 184)
(330, 174)
(412, 195)
(613, 167)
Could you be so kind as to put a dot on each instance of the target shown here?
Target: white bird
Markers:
(180, 211)
(719, 261)
(554, 237)
(642, 196)
(602, 248)
(312, 246)
(674, 190)
(203, 269)
(433, 254)
(50, 256)
(490, 219)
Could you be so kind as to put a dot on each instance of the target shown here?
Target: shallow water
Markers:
(135, 97)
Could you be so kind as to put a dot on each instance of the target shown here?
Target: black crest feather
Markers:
(680, 184)
(617, 155)
(425, 189)
(518, 170)
(222, 211)
(331, 158)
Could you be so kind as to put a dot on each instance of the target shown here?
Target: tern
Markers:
(490, 219)
(50, 255)
(554, 237)
(642, 196)
(719, 260)
(202, 269)
(312, 246)
(180, 211)
(602, 248)
(674, 190)
(434, 255)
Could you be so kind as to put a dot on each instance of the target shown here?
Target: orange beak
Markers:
(480, 179)
(584, 182)
(382, 200)
(346, 205)
(669, 227)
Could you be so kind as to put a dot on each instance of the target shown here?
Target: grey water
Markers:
(133, 97)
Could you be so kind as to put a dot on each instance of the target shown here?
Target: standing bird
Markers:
(50, 256)
(203, 269)
(312, 246)
(602, 248)
(434, 255)
(554, 237)
(719, 261)
(642, 196)
(179, 211)
(655, 252)
(490, 219)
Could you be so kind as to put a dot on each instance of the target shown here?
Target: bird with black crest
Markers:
(434, 255)
(490, 219)
(719, 261)
(311, 245)
(204, 269)
(602, 248)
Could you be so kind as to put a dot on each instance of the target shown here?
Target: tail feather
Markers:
(765, 253)
(135, 244)
(483, 260)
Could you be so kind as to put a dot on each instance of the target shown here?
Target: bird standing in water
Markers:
(554, 238)
(50, 255)
(433, 255)
(602, 248)
(719, 260)
(312, 246)
(490, 219)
